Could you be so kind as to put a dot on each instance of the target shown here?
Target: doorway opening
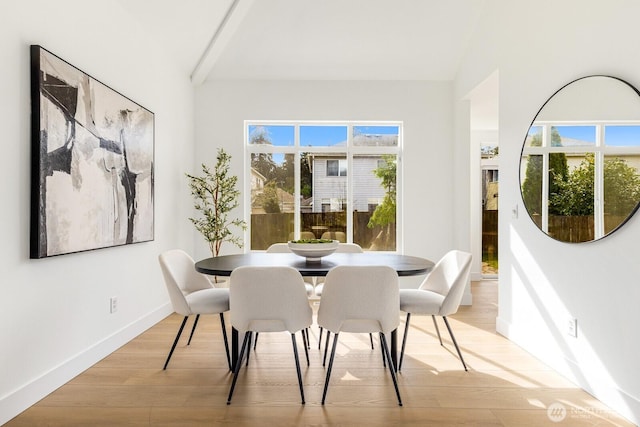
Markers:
(484, 175)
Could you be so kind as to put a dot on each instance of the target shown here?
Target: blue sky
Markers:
(581, 133)
(320, 135)
(627, 136)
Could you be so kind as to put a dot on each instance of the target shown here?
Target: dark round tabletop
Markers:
(404, 265)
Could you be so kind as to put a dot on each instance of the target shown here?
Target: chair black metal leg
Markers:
(305, 342)
(333, 354)
(437, 329)
(224, 336)
(404, 340)
(455, 343)
(247, 336)
(295, 354)
(195, 323)
(249, 347)
(371, 339)
(384, 359)
(320, 338)
(255, 343)
(326, 347)
(383, 343)
(226, 341)
(175, 342)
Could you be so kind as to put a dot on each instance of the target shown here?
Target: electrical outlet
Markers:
(113, 305)
(514, 212)
(572, 327)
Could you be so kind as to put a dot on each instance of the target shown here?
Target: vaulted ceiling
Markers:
(311, 39)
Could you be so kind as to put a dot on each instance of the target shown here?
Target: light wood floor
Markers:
(505, 386)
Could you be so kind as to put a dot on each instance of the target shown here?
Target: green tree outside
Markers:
(306, 179)
(558, 173)
(621, 188)
(262, 162)
(385, 213)
(270, 202)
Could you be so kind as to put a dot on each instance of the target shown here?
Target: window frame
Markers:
(600, 151)
(349, 151)
(342, 167)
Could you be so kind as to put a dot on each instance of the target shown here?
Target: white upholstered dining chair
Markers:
(345, 248)
(352, 248)
(360, 299)
(309, 282)
(284, 248)
(439, 294)
(191, 293)
(340, 236)
(268, 299)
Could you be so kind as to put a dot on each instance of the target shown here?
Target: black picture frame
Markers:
(92, 170)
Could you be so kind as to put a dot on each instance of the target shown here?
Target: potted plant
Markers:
(215, 196)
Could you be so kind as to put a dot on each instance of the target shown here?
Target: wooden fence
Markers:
(577, 228)
(490, 236)
(278, 227)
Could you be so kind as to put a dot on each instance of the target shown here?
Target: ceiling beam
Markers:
(229, 24)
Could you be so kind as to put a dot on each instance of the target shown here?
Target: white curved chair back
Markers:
(360, 299)
(349, 248)
(303, 235)
(345, 248)
(340, 236)
(268, 299)
(181, 278)
(278, 248)
(283, 248)
(449, 278)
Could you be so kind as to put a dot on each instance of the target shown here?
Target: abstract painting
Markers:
(92, 162)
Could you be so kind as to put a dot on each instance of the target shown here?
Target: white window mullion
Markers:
(546, 143)
(598, 185)
(399, 210)
(350, 176)
(296, 178)
(247, 187)
(545, 193)
(598, 195)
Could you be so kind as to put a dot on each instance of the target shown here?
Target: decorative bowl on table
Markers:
(313, 249)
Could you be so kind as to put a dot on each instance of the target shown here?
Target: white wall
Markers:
(54, 313)
(424, 107)
(537, 48)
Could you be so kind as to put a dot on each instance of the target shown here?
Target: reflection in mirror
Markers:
(580, 163)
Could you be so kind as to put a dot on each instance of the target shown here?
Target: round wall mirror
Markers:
(580, 162)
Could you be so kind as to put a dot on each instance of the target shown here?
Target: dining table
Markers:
(223, 265)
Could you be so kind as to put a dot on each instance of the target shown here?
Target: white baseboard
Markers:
(619, 400)
(467, 299)
(14, 403)
(503, 327)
